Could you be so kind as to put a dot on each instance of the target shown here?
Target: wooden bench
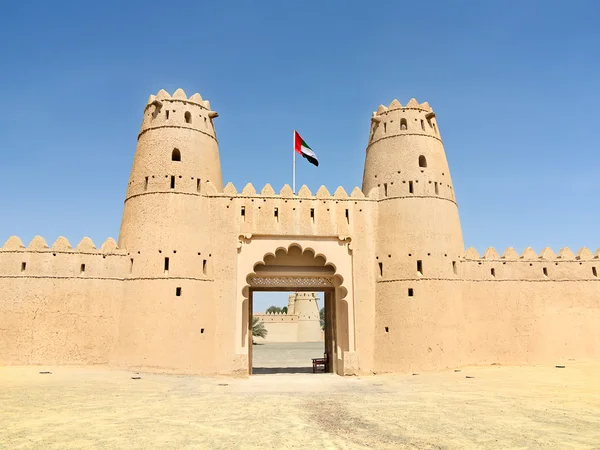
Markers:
(320, 364)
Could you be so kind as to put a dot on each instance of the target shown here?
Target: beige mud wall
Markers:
(54, 311)
(280, 328)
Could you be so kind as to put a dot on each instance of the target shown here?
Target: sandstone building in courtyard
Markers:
(174, 294)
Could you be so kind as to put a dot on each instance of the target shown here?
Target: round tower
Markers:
(167, 316)
(306, 307)
(418, 239)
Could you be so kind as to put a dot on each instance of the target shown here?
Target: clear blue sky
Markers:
(515, 85)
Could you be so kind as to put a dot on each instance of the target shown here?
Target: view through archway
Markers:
(289, 333)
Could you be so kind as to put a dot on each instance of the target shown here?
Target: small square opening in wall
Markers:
(178, 292)
(411, 292)
(82, 268)
(545, 270)
(201, 330)
(387, 329)
(594, 272)
(24, 266)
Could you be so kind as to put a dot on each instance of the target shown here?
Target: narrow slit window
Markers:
(347, 216)
(201, 330)
(385, 127)
(176, 155)
(188, 117)
(387, 329)
(198, 185)
(276, 213)
(166, 264)
(437, 189)
(82, 268)
(594, 272)
(454, 269)
(172, 181)
(410, 187)
(380, 269)
(243, 212)
(545, 270)
(403, 124)
(167, 114)
(178, 292)
(24, 266)
(411, 292)
(204, 267)
(205, 123)
(385, 189)
(130, 265)
(420, 267)
(422, 125)
(493, 272)
(422, 161)
(312, 214)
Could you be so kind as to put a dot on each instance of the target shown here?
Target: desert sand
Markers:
(500, 407)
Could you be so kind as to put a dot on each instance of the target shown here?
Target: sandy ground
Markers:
(285, 357)
(500, 408)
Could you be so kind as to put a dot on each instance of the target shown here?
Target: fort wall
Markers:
(59, 305)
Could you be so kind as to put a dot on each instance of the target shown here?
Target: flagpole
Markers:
(294, 162)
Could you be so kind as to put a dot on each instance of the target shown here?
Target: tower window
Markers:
(167, 114)
(178, 292)
(437, 189)
(493, 272)
(387, 329)
(385, 189)
(198, 185)
(188, 117)
(204, 267)
(385, 127)
(166, 264)
(422, 125)
(403, 124)
(545, 270)
(454, 269)
(176, 155)
(422, 161)
(131, 265)
(276, 213)
(410, 187)
(82, 268)
(594, 271)
(411, 292)
(347, 216)
(380, 269)
(312, 214)
(172, 182)
(243, 212)
(24, 266)
(420, 267)
(146, 184)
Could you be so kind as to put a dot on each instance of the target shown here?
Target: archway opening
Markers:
(303, 338)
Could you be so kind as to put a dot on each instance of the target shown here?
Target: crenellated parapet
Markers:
(179, 111)
(395, 119)
(286, 213)
(529, 266)
(61, 260)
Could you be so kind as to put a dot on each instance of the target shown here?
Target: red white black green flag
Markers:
(303, 149)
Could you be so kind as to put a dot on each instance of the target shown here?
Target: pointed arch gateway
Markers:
(318, 264)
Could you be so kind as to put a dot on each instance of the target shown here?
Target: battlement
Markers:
(286, 192)
(62, 260)
(529, 266)
(178, 111)
(395, 119)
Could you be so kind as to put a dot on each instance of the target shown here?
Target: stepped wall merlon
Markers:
(62, 260)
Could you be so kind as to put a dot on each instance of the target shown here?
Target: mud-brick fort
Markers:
(174, 294)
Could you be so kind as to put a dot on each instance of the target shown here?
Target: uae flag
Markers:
(302, 148)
